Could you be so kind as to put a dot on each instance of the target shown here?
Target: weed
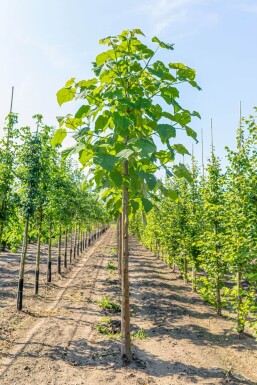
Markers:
(111, 266)
(107, 304)
(109, 327)
(140, 334)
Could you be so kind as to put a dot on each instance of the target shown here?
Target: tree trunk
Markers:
(240, 325)
(75, 243)
(65, 248)
(78, 240)
(185, 269)
(36, 288)
(22, 265)
(125, 311)
(119, 245)
(49, 257)
(59, 250)
(71, 235)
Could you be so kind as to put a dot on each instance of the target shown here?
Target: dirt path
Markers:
(186, 342)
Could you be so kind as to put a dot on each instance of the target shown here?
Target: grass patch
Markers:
(111, 266)
(109, 327)
(109, 305)
(140, 334)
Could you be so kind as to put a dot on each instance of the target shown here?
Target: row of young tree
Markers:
(210, 231)
(43, 198)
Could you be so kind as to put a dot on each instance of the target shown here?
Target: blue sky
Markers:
(43, 43)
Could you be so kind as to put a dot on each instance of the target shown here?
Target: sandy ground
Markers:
(55, 340)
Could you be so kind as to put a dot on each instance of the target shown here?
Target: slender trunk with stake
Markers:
(125, 311)
(65, 248)
(38, 256)
(49, 257)
(59, 250)
(22, 264)
(75, 243)
(71, 235)
(119, 244)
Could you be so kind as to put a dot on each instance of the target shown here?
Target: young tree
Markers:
(7, 159)
(116, 130)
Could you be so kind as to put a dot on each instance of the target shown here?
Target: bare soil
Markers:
(55, 339)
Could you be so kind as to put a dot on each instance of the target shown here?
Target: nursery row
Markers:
(43, 198)
(210, 231)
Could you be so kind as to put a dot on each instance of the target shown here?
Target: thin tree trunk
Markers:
(125, 311)
(194, 279)
(240, 326)
(218, 299)
(75, 243)
(36, 287)
(22, 265)
(78, 240)
(119, 245)
(185, 269)
(59, 250)
(49, 257)
(71, 235)
(65, 248)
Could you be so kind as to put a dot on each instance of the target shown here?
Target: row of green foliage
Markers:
(210, 231)
(36, 181)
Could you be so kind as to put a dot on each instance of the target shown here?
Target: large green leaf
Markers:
(116, 177)
(166, 131)
(65, 95)
(146, 146)
(104, 56)
(192, 133)
(181, 149)
(59, 136)
(181, 171)
(150, 181)
(162, 44)
(101, 123)
(147, 204)
(106, 161)
(85, 156)
(125, 154)
(82, 111)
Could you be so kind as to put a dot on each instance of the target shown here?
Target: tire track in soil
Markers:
(22, 344)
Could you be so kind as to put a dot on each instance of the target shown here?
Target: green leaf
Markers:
(146, 145)
(147, 204)
(121, 124)
(104, 56)
(101, 123)
(125, 154)
(70, 82)
(65, 95)
(163, 156)
(73, 123)
(106, 161)
(192, 133)
(87, 83)
(181, 171)
(182, 118)
(181, 149)
(195, 113)
(162, 44)
(151, 181)
(134, 205)
(166, 131)
(85, 156)
(59, 136)
(82, 111)
(116, 177)
(138, 31)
